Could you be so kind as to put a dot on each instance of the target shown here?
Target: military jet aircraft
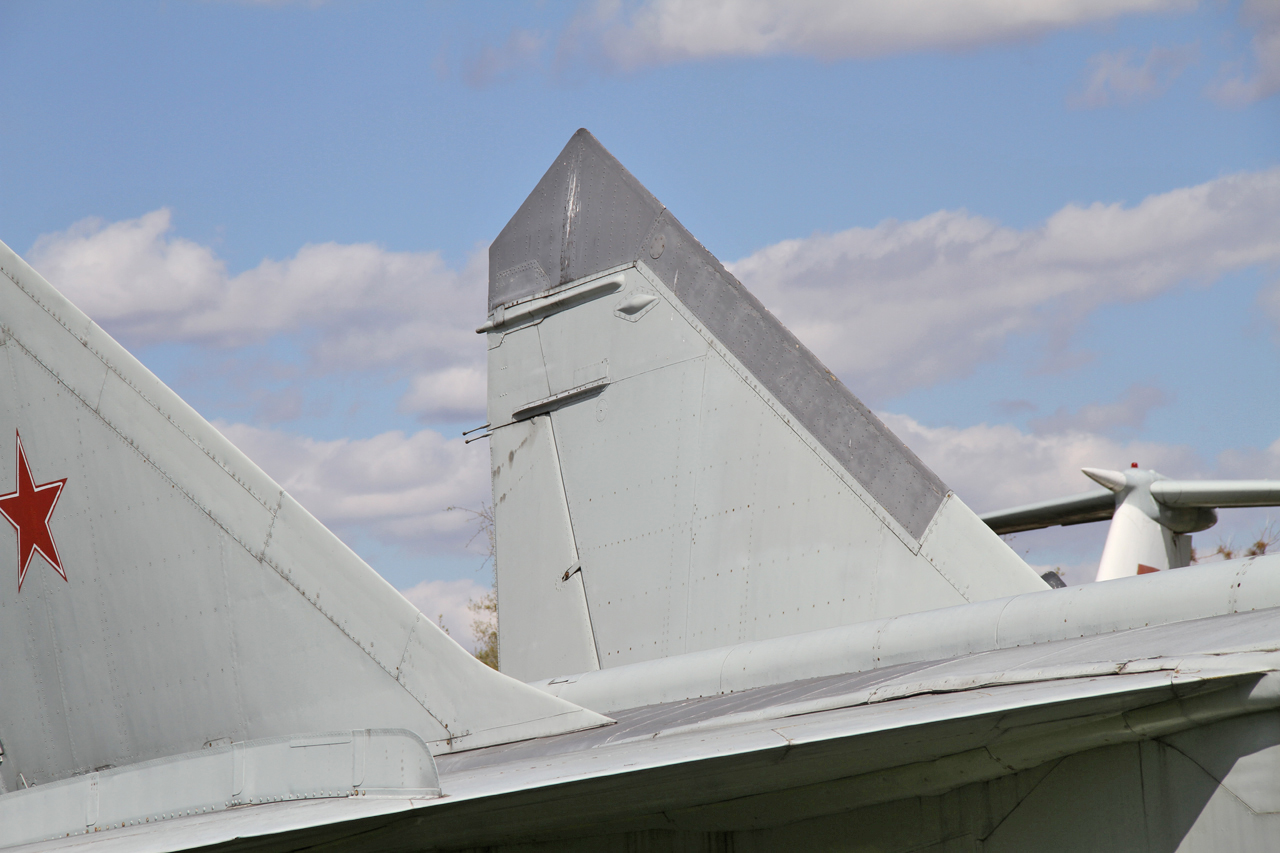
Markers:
(1152, 517)
(736, 612)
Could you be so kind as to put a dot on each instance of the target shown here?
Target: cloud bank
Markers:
(910, 304)
(898, 306)
(665, 31)
(396, 486)
(1118, 78)
(355, 307)
(1262, 78)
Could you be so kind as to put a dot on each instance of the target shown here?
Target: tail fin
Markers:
(672, 469)
(200, 603)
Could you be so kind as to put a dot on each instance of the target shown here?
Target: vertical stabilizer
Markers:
(173, 596)
(720, 484)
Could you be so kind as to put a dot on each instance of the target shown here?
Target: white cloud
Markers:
(889, 308)
(149, 286)
(1129, 412)
(396, 486)
(1116, 78)
(910, 304)
(1263, 17)
(1251, 463)
(130, 274)
(458, 390)
(446, 602)
(660, 31)
(359, 306)
(521, 53)
(997, 466)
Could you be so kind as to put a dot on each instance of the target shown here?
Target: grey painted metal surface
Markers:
(551, 631)
(1217, 494)
(1097, 505)
(700, 512)
(757, 764)
(200, 601)
(721, 485)
(326, 765)
(1089, 610)
(589, 214)
(1217, 647)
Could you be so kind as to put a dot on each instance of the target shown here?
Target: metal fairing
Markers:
(201, 602)
(713, 482)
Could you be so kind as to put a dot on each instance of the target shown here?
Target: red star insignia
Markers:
(28, 509)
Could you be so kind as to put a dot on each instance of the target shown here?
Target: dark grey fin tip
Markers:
(588, 213)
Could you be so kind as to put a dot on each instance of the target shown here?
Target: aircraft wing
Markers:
(1098, 505)
(1216, 494)
(789, 752)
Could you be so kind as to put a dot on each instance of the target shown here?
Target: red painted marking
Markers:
(1146, 570)
(28, 508)
(1133, 464)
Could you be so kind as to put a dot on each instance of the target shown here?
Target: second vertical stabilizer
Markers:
(719, 483)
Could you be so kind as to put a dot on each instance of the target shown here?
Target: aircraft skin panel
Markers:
(702, 458)
(1105, 784)
(798, 547)
(632, 330)
(1144, 796)
(846, 763)
(1240, 754)
(630, 479)
(703, 512)
(551, 632)
(889, 471)
(200, 601)
(588, 214)
(966, 554)
(246, 521)
(61, 614)
(1187, 599)
(516, 373)
(190, 576)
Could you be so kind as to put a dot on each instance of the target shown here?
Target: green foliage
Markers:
(484, 626)
(484, 610)
(1266, 539)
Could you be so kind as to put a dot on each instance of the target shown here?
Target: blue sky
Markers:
(1035, 236)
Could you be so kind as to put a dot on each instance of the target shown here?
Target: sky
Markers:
(1033, 235)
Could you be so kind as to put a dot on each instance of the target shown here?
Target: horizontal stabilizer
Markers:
(1216, 494)
(1098, 505)
(159, 592)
